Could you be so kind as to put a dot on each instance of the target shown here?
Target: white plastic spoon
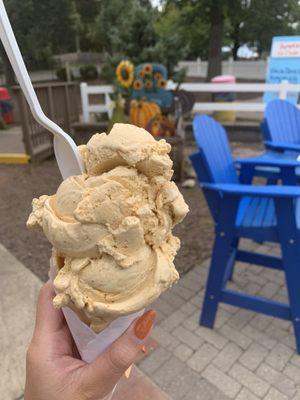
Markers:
(65, 149)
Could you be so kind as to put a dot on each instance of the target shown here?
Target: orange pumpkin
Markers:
(141, 112)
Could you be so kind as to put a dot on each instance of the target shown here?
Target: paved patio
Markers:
(247, 356)
(11, 140)
(19, 289)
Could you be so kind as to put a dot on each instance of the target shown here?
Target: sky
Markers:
(155, 3)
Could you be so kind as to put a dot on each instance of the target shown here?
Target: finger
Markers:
(48, 319)
(112, 364)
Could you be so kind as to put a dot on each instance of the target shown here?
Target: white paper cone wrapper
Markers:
(90, 344)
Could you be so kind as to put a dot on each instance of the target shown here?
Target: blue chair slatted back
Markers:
(265, 130)
(282, 122)
(212, 142)
(213, 162)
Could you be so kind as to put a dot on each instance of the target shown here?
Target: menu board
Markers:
(284, 64)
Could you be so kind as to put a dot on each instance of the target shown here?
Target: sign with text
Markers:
(284, 64)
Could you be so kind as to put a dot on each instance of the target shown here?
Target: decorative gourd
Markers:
(162, 125)
(141, 112)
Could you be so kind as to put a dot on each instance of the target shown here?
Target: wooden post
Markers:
(84, 102)
(68, 116)
(68, 71)
(283, 91)
(230, 66)
(51, 107)
(25, 124)
(198, 66)
(108, 104)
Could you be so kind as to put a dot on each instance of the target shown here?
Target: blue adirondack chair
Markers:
(281, 126)
(271, 165)
(263, 213)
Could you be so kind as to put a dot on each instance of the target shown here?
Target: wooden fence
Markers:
(60, 102)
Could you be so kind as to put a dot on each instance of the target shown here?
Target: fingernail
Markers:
(144, 324)
(144, 349)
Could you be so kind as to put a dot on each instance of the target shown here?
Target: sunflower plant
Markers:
(123, 84)
(148, 80)
(124, 81)
(125, 74)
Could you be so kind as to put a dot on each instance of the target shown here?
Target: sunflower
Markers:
(141, 74)
(125, 73)
(148, 84)
(162, 83)
(137, 84)
(157, 76)
(147, 69)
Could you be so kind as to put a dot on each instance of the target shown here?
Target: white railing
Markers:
(283, 89)
(242, 69)
(87, 108)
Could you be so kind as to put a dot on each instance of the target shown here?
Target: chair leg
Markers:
(290, 244)
(292, 276)
(235, 246)
(220, 258)
(216, 278)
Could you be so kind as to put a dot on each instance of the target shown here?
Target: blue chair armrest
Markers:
(256, 191)
(282, 146)
(267, 160)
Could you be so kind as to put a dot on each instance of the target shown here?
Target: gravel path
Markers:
(19, 184)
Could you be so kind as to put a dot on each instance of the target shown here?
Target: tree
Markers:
(131, 34)
(56, 33)
(109, 25)
(88, 10)
(216, 16)
(237, 16)
(171, 45)
(42, 28)
(182, 30)
(200, 26)
(254, 22)
(270, 18)
(128, 30)
(139, 37)
(190, 22)
(20, 15)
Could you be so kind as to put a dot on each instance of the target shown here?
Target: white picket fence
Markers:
(282, 89)
(242, 69)
(87, 108)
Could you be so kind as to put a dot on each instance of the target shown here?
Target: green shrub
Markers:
(88, 72)
(61, 74)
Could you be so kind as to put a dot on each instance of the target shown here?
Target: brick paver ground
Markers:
(248, 356)
(17, 315)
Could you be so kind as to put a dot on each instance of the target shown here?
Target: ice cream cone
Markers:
(90, 344)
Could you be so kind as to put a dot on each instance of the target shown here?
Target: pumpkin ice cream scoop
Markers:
(111, 228)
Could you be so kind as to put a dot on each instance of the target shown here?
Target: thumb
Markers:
(107, 369)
